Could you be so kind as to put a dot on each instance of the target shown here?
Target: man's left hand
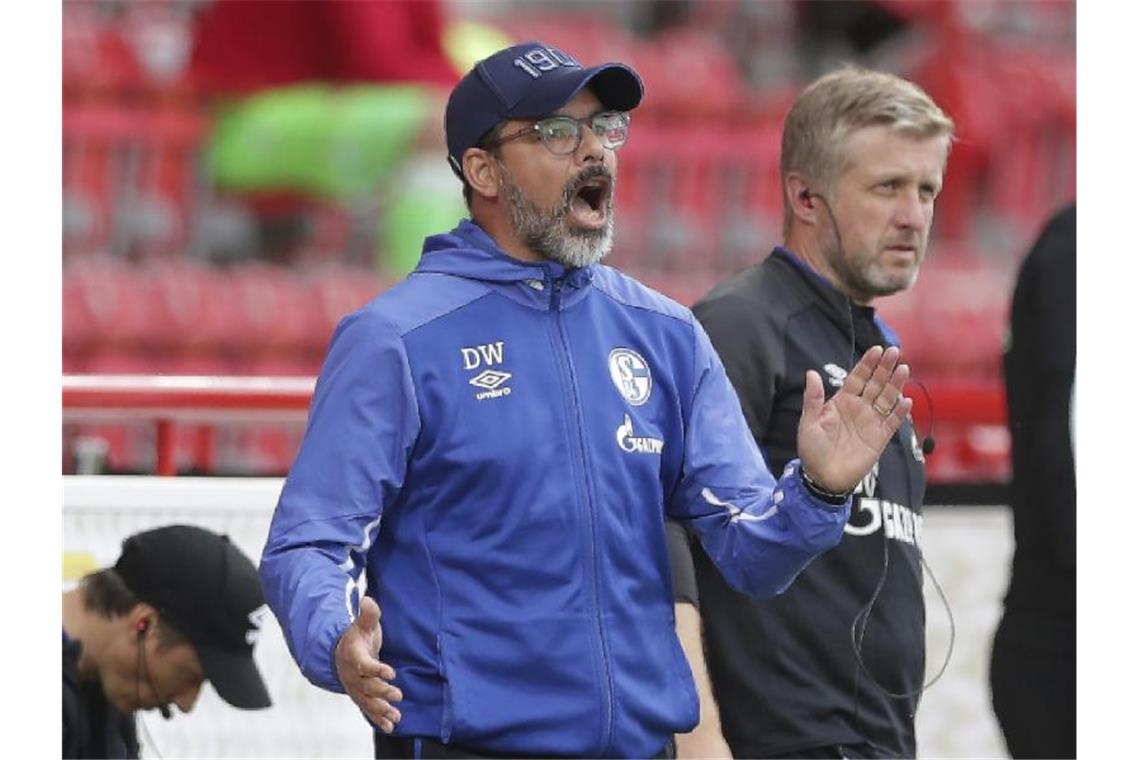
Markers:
(840, 440)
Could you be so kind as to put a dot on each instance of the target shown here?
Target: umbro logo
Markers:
(490, 379)
(835, 374)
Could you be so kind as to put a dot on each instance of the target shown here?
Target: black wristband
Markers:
(827, 497)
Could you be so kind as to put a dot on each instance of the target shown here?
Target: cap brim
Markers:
(235, 677)
(617, 86)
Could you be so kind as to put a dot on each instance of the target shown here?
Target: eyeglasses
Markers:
(563, 134)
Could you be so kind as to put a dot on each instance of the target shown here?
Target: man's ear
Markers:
(482, 172)
(801, 198)
(141, 618)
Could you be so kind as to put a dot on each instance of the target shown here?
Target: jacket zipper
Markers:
(593, 548)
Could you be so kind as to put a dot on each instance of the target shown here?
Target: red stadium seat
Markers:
(336, 290)
(591, 38)
(196, 313)
(959, 315)
(690, 76)
(275, 313)
(98, 60)
(78, 326)
(118, 50)
(699, 197)
(165, 185)
(96, 160)
(110, 306)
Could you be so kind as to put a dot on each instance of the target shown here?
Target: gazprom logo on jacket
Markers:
(636, 444)
(630, 374)
(870, 514)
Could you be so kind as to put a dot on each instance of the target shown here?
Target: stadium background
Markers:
(168, 271)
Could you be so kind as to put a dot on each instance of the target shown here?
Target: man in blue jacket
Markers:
(495, 442)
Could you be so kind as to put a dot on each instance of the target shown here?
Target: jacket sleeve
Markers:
(353, 458)
(1039, 374)
(759, 532)
(681, 564)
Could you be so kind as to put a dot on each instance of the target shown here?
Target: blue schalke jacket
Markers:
(491, 452)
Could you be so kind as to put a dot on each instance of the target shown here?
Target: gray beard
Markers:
(548, 234)
(864, 278)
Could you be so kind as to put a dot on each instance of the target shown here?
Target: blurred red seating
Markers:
(592, 39)
(130, 178)
(195, 312)
(96, 164)
(265, 449)
(98, 62)
(684, 288)
(273, 309)
(165, 185)
(958, 315)
(985, 452)
(108, 307)
(121, 50)
(690, 77)
(700, 197)
(336, 290)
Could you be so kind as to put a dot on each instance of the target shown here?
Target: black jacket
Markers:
(91, 726)
(784, 669)
(1039, 368)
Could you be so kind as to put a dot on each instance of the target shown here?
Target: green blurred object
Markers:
(423, 199)
(371, 130)
(271, 140)
(333, 143)
(348, 145)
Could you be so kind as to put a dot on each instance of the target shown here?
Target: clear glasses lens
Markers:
(562, 135)
(612, 128)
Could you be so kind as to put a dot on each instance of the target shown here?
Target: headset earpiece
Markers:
(141, 627)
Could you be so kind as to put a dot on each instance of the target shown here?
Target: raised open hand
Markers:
(363, 676)
(840, 440)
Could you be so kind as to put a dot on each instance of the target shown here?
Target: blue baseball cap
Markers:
(528, 81)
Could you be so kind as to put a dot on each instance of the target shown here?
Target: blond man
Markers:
(834, 666)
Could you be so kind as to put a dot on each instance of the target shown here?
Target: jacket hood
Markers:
(468, 251)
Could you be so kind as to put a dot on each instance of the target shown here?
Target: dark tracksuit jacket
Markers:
(92, 727)
(784, 670)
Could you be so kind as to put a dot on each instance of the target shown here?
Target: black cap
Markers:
(530, 80)
(206, 588)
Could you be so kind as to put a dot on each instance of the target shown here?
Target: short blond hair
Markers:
(836, 104)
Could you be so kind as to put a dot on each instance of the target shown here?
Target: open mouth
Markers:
(590, 204)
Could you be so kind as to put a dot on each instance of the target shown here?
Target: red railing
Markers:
(168, 400)
(969, 415)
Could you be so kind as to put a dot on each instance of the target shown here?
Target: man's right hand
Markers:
(363, 676)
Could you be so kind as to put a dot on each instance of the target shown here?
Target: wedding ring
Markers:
(882, 411)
